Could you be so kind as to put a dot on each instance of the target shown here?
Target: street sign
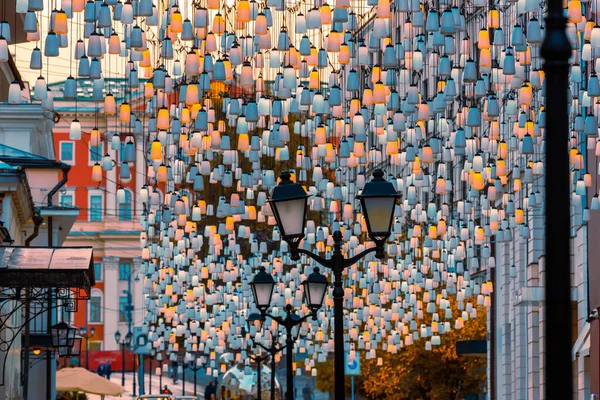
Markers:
(140, 341)
(352, 367)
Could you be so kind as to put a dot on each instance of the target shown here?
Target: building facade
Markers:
(108, 221)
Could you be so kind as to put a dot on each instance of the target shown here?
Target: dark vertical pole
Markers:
(272, 375)
(129, 322)
(150, 376)
(141, 375)
(259, 378)
(49, 323)
(492, 333)
(134, 373)
(183, 379)
(338, 318)
(122, 366)
(195, 378)
(26, 346)
(556, 51)
(289, 364)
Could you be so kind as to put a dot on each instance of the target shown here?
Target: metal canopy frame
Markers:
(29, 277)
(47, 267)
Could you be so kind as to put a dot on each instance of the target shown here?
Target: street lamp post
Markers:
(124, 345)
(194, 367)
(378, 200)
(258, 359)
(128, 310)
(315, 287)
(556, 51)
(83, 332)
(255, 319)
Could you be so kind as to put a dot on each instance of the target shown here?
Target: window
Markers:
(124, 271)
(95, 209)
(95, 314)
(67, 152)
(98, 271)
(66, 200)
(95, 345)
(96, 153)
(125, 207)
(123, 309)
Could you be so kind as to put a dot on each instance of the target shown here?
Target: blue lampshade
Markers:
(252, 112)
(94, 45)
(124, 172)
(70, 90)
(135, 37)
(89, 12)
(95, 68)
(167, 49)
(447, 23)
(144, 8)
(104, 18)
(352, 83)
(51, 48)
(30, 23)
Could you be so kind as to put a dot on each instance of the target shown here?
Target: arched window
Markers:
(95, 306)
(125, 207)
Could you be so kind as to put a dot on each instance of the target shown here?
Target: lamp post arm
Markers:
(257, 358)
(265, 347)
(323, 261)
(273, 349)
(296, 322)
(274, 318)
(353, 260)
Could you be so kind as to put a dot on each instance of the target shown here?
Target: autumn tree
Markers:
(416, 373)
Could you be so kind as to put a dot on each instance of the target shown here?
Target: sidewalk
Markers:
(300, 382)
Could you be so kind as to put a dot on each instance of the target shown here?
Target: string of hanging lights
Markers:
(446, 97)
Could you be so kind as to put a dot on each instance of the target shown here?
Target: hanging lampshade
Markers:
(75, 130)
(96, 173)
(51, 45)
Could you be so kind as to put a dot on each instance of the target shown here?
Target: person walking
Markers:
(101, 369)
(209, 390)
(108, 370)
(174, 369)
(307, 392)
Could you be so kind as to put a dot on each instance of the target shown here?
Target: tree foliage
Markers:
(414, 373)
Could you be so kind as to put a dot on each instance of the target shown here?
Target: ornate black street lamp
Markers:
(254, 323)
(556, 51)
(194, 367)
(124, 345)
(258, 359)
(63, 335)
(377, 199)
(315, 287)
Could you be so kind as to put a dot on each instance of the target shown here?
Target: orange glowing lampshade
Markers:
(162, 120)
(60, 23)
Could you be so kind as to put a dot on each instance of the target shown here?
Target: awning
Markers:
(47, 267)
(581, 347)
